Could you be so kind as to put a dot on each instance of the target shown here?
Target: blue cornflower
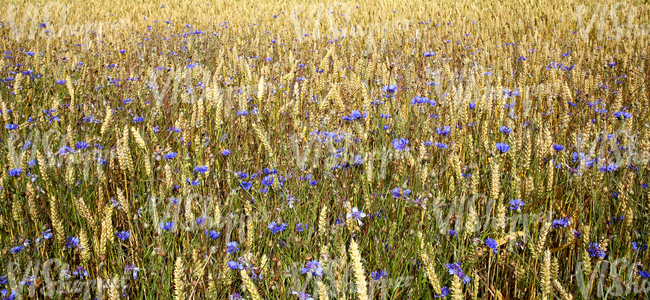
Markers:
(644, 274)
(170, 155)
(503, 147)
(81, 272)
(65, 150)
(225, 152)
(17, 249)
(622, 115)
(399, 192)
(246, 185)
(429, 54)
(452, 233)
(505, 129)
(356, 115)
(302, 295)
(391, 88)
(492, 244)
(123, 235)
(441, 145)
(233, 265)
(594, 250)
(356, 214)
(400, 144)
(133, 269)
(516, 204)
(301, 227)
(60, 82)
(232, 247)
(455, 269)
(444, 291)
(444, 131)
(313, 268)
(378, 275)
(558, 148)
(275, 228)
(138, 119)
(15, 172)
(608, 168)
(11, 296)
(212, 234)
(11, 126)
(201, 169)
(72, 242)
(639, 247)
(81, 145)
(578, 156)
(167, 226)
(267, 180)
(561, 222)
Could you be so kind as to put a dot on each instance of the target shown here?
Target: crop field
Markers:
(324, 150)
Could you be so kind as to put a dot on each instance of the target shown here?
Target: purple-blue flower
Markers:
(444, 131)
(400, 144)
(644, 274)
(516, 204)
(232, 247)
(15, 172)
(561, 222)
(17, 249)
(378, 275)
(267, 180)
(275, 228)
(503, 147)
(212, 234)
(123, 235)
(356, 214)
(246, 185)
(313, 268)
(302, 295)
(391, 88)
(594, 250)
(455, 269)
(81, 145)
(167, 226)
(72, 242)
(300, 227)
(201, 169)
(608, 168)
(492, 244)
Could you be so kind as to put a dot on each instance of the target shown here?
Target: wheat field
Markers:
(327, 150)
